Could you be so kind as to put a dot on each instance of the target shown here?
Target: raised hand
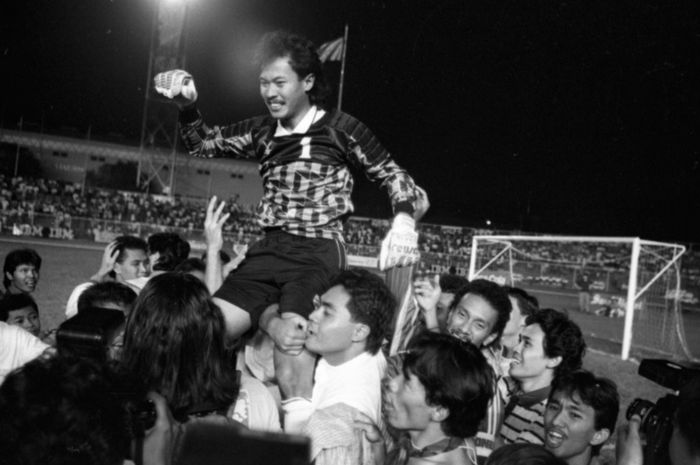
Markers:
(176, 85)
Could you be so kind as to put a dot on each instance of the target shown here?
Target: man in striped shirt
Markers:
(305, 153)
(551, 344)
(478, 314)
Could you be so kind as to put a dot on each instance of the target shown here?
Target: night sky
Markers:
(560, 117)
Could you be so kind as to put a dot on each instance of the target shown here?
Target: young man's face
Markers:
(530, 359)
(331, 332)
(135, 265)
(284, 92)
(23, 279)
(473, 320)
(405, 404)
(569, 426)
(26, 318)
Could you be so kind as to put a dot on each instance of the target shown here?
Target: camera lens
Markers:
(643, 408)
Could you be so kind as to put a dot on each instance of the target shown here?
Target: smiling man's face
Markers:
(569, 426)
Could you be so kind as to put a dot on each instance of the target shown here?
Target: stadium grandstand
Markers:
(65, 203)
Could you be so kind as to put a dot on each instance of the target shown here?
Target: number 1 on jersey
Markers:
(305, 148)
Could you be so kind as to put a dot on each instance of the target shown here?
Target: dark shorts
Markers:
(286, 269)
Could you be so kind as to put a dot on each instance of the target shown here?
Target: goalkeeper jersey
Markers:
(306, 177)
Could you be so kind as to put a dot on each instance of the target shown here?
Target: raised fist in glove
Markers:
(177, 85)
(400, 246)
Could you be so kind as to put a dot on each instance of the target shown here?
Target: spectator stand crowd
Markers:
(54, 209)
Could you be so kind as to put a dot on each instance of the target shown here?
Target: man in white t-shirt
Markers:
(17, 347)
(346, 330)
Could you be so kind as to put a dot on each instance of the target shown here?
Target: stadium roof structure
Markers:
(39, 141)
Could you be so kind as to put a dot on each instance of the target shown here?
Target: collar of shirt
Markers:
(528, 399)
(314, 114)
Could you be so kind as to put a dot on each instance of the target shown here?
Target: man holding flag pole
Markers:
(305, 151)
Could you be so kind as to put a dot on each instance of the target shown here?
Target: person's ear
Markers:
(600, 436)
(554, 362)
(360, 333)
(489, 339)
(439, 414)
(309, 82)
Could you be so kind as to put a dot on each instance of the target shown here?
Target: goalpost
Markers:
(623, 290)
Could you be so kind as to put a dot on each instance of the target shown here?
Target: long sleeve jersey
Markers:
(307, 183)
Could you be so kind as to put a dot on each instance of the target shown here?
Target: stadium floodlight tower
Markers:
(601, 277)
(159, 137)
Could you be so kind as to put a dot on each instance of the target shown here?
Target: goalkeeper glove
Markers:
(400, 246)
(177, 85)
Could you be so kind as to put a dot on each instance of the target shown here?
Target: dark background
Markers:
(560, 117)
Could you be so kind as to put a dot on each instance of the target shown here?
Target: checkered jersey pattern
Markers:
(307, 184)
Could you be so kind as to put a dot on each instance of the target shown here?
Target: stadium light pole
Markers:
(166, 51)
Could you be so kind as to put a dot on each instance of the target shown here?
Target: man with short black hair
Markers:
(21, 310)
(305, 151)
(478, 313)
(21, 271)
(124, 259)
(439, 399)
(551, 345)
(346, 329)
(580, 416)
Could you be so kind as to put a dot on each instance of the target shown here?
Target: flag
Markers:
(332, 51)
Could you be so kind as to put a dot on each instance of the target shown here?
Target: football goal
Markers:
(624, 292)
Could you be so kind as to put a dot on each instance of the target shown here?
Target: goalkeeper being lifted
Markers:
(305, 151)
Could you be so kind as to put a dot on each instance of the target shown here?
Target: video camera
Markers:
(657, 418)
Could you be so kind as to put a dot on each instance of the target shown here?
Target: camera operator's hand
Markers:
(629, 444)
(159, 440)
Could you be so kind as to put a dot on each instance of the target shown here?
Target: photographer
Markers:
(684, 444)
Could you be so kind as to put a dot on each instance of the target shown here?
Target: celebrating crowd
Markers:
(163, 354)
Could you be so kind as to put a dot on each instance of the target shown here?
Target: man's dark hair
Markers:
(62, 410)
(492, 293)
(303, 59)
(527, 302)
(11, 302)
(523, 453)
(562, 338)
(687, 419)
(456, 376)
(172, 248)
(452, 282)
(109, 292)
(371, 303)
(598, 393)
(191, 264)
(125, 243)
(19, 257)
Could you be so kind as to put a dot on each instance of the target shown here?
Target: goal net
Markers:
(625, 293)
